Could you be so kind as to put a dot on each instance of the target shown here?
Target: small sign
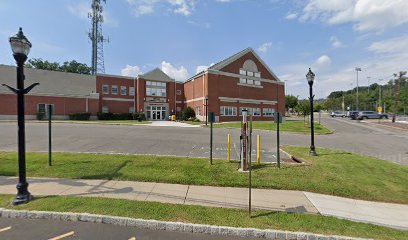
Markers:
(278, 117)
(379, 109)
(211, 117)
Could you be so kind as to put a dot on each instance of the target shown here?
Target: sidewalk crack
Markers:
(185, 197)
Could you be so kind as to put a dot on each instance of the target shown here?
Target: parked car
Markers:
(370, 115)
(352, 115)
(337, 114)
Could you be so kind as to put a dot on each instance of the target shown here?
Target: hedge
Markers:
(81, 116)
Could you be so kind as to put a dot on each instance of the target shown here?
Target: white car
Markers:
(337, 114)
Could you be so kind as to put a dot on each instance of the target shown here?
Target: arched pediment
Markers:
(250, 65)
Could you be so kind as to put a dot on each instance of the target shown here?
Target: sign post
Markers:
(244, 141)
(212, 120)
(49, 134)
(278, 120)
(250, 166)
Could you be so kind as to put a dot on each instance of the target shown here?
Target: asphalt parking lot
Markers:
(17, 229)
(362, 138)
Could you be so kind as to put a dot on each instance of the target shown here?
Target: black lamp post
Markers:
(206, 110)
(21, 48)
(310, 78)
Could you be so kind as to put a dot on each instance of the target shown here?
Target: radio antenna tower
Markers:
(96, 37)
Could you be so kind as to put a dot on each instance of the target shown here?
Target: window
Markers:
(251, 111)
(123, 90)
(242, 72)
(154, 83)
(197, 111)
(105, 89)
(148, 83)
(105, 109)
(268, 112)
(250, 81)
(41, 108)
(178, 92)
(251, 74)
(159, 92)
(228, 111)
(243, 80)
(256, 111)
(258, 74)
(131, 91)
(131, 110)
(115, 90)
(257, 83)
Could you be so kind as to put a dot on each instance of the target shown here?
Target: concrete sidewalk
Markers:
(391, 215)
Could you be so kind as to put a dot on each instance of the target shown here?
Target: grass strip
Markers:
(333, 172)
(287, 126)
(208, 215)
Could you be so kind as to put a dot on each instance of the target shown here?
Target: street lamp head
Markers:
(244, 112)
(310, 77)
(20, 44)
(206, 97)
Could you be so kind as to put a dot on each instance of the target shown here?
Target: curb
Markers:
(168, 226)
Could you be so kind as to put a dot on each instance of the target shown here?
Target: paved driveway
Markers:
(362, 138)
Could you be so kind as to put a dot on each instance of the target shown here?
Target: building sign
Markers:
(155, 99)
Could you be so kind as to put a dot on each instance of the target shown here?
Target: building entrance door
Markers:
(156, 113)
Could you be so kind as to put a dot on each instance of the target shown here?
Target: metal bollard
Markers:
(258, 155)
(229, 148)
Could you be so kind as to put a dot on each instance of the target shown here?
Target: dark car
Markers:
(370, 115)
(352, 115)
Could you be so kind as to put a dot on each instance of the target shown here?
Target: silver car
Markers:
(371, 115)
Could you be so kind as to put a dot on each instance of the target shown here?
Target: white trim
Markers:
(118, 99)
(243, 100)
(179, 101)
(249, 85)
(115, 76)
(195, 99)
(228, 74)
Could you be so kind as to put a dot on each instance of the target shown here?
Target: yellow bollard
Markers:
(229, 148)
(258, 156)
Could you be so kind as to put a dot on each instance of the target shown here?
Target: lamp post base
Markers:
(312, 152)
(23, 195)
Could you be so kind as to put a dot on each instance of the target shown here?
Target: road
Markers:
(362, 138)
(46, 229)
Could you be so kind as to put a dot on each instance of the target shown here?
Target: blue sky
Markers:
(180, 36)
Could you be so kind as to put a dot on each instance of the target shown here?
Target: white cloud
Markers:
(323, 61)
(145, 7)
(130, 71)
(180, 73)
(265, 47)
(335, 42)
(202, 68)
(291, 15)
(366, 15)
(393, 45)
(223, 1)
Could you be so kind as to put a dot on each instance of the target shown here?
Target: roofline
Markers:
(115, 76)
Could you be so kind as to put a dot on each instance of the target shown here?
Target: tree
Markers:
(187, 113)
(303, 108)
(72, 66)
(290, 102)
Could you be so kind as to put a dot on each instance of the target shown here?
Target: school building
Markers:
(242, 81)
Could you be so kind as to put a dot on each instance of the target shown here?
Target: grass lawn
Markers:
(207, 215)
(287, 126)
(124, 122)
(333, 172)
(193, 123)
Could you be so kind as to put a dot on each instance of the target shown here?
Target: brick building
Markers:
(242, 81)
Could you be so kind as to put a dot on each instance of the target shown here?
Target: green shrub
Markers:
(105, 116)
(196, 120)
(40, 116)
(81, 116)
(187, 113)
(139, 116)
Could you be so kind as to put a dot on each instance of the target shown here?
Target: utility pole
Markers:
(368, 80)
(397, 92)
(357, 70)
